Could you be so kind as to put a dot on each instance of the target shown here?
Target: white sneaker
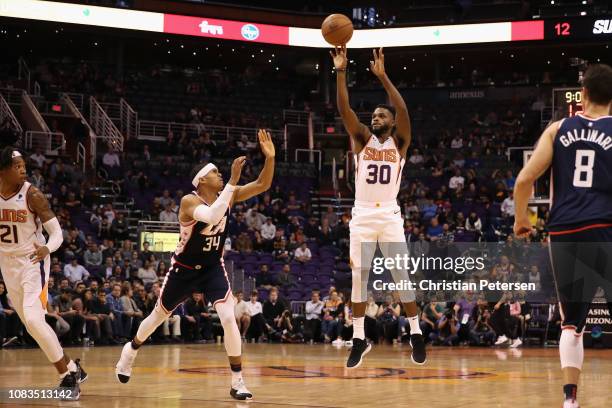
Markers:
(348, 343)
(338, 342)
(123, 369)
(516, 343)
(501, 340)
(239, 391)
(571, 403)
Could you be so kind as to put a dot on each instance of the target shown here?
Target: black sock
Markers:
(570, 391)
(236, 367)
(134, 346)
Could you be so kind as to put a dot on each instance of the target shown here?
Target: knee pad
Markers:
(571, 349)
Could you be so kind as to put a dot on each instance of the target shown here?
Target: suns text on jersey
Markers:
(8, 215)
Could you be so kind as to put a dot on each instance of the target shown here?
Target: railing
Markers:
(296, 117)
(23, 72)
(70, 103)
(103, 126)
(32, 107)
(12, 95)
(81, 156)
(50, 142)
(7, 113)
(298, 307)
(158, 131)
(312, 153)
(128, 119)
(36, 88)
(77, 99)
(113, 111)
(158, 226)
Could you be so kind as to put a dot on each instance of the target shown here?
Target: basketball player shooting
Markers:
(197, 264)
(376, 217)
(25, 261)
(580, 223)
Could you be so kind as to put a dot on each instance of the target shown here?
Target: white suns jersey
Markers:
(378, 172)
(19, 226)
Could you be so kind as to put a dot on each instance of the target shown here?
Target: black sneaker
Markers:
(358, 351)
(81, 375)
(240, 392)
(419, 355)
(69, 387)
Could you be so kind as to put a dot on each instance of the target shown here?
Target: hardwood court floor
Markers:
(313, 376)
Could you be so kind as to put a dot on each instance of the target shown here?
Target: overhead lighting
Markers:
(583, 13)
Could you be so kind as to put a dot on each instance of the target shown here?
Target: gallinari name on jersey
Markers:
(587, 135)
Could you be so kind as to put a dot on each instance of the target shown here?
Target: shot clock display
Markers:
(566, 102)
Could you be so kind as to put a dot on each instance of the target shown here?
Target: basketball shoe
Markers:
(123, 369)
(239, 391)
(358, 351)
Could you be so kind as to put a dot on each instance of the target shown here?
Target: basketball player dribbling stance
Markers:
(25, 261)
(376, 217)
(197, 264)
(580, 223)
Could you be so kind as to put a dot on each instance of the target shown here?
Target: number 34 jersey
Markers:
(581, 187)
(202, 243)
(378, 172)
(19, 226)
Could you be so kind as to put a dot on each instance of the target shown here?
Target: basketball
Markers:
(337, 29)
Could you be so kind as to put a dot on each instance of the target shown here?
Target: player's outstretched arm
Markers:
(536, 166)
(358, 131)
(39, 205)
(403, 129)
(264, 181)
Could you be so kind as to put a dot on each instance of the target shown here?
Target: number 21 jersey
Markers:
(202, 243)
(19, 226)
(379, 171)
(581, 187)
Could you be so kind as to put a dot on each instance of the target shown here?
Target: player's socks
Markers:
(359, 328)
(570, 391)
(358, 351)
(133, 345)
(239, 390)
(72, 367)
(123, 369)
(415, 328)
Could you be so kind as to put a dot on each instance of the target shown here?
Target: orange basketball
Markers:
(337, 29)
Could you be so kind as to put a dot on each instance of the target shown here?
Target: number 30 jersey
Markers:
(201, 243)
(581, 186)
(378, 172)
(19, 226)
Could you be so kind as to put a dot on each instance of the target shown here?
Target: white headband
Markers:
(15, 154)
(205, 170)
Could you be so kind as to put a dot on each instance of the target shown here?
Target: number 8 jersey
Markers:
(581, 185)
(378, 172)
(202, 243)
(19, 226)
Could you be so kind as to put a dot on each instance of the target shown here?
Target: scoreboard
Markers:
(566, 102)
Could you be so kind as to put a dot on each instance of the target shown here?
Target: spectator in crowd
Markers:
(388, 320)
(456, 181)
(474, 224)
(13, 326)
(258, 323)
(173, 323)
(98, 307)
(534, 277)
(507, 208)
(331, 309)
(198, 322)
(314, 310)
(255, 220)
(75, 272)
(504, 324)
(264, 279)
(481, 333)
(432, 313)
(147, 273)
(38, 159)
(131, 310)
(63, 306)
(268, 232)
(286, 280)
(416, 158)
(93, 256)
(120, 320)
(146, 253)
(330, 216)
(168, 215)
(112, 164)
(302, 253)
(241, 312)
(273, 309)
(119, 228)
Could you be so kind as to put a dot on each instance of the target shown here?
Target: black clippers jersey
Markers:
(582, 171)
(202, 243)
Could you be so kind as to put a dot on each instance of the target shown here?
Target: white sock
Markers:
(72, 367)
(358, 328)
(236, 377)
(63, 375)
(413, 321)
